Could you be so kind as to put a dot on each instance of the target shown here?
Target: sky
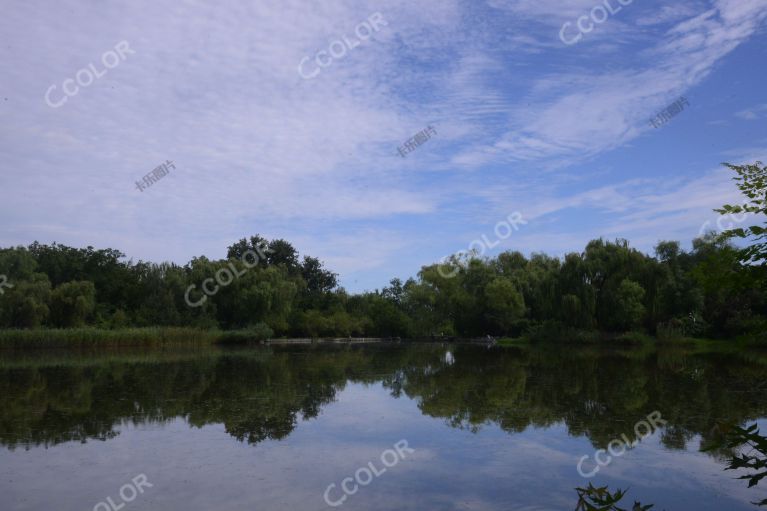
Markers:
(289, 118)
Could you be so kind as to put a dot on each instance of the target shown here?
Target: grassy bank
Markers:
(153, 337)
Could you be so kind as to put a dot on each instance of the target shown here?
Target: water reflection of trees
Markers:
(263, 394)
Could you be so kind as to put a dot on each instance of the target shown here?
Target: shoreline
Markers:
(164, 337)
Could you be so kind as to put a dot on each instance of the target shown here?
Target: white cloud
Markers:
(668, 14)
(754, 113)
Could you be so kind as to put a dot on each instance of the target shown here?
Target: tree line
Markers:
(713, 290)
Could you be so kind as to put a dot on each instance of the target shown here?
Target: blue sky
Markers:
(525, 123)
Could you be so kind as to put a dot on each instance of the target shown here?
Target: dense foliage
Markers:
(609, 287)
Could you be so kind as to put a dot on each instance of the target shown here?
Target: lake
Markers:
(371, 427)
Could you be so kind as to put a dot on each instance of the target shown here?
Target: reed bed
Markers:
(94, 337)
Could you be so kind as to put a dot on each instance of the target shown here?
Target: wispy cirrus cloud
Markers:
(585, 114)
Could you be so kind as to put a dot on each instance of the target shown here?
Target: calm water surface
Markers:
(271, 428)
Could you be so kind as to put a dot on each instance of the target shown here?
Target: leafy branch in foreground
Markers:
(755, 459)
(730, 437)
(592, 498)
(752, 182)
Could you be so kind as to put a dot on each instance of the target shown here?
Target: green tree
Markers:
(257, 244)
(578, 294)
(318, 279)
(72, 303)
(315, 324)
(26, 304)
(505, 304)
(733, 298)
(281, 252)
(628, 305)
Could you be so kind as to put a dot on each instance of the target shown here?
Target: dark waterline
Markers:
(271, 428)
